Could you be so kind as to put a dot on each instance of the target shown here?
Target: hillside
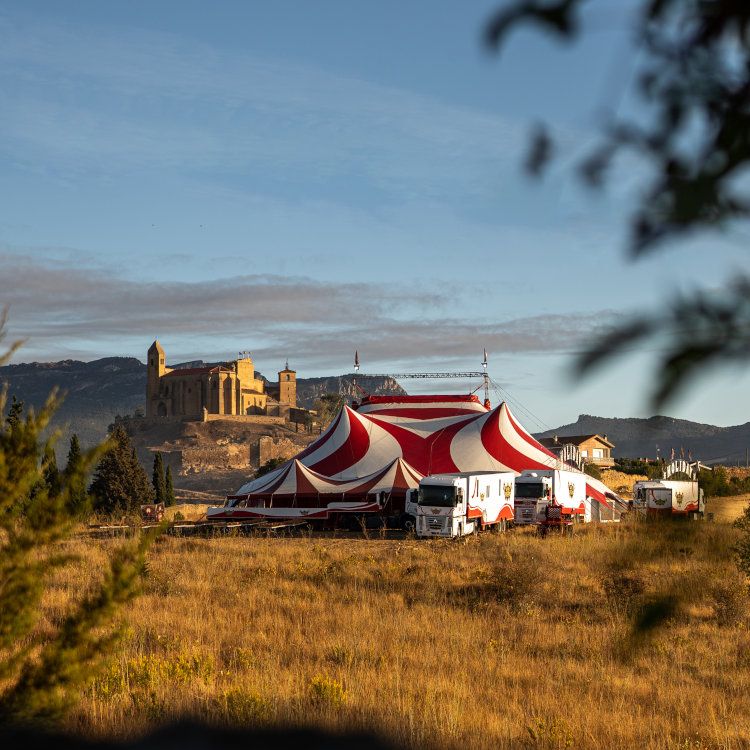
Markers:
(635, 438)
(99, 390)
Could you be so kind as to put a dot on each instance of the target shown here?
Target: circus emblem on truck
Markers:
(507, 489)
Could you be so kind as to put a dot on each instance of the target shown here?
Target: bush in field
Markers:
(624, 590)
(516, 580)
(239, 707)
(729, 600)
(325, 691)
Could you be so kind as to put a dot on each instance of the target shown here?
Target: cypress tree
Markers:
(120, 484)
(76, 478)
(50, 473)
(157, 479)
(169, 498)
(14, 413)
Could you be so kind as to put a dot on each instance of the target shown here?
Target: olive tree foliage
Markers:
(694, 80)
(328, 406)
(41, 673)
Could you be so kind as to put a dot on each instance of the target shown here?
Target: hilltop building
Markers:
(229, 389)
(594, 449)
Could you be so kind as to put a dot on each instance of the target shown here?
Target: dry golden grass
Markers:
(189, 511)
(493, 641)
(727, 509)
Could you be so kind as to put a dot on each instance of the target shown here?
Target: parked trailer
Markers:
(377, 510)
(667, 497)
(536, 490)
(452, 505)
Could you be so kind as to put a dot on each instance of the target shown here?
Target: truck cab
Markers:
(532, 495)
(452, 505)
(441, 509)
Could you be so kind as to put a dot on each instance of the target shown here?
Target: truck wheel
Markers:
(409, 524)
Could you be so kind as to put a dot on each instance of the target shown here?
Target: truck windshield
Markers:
(529, 490)
(440, 496)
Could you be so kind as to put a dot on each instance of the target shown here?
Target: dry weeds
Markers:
(495, 641)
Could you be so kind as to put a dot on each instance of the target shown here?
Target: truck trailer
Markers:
(452, 505)
(535, 490)
(667, 497)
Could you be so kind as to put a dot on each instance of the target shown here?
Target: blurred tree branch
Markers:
(41, 674)
(695, 83)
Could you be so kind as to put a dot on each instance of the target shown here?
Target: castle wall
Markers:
(249, 418)
(282, 448)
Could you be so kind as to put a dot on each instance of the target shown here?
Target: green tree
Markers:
(169, 498)
(14, 413)
(693, 131)
(328, 406)
(120, 484)
(593, 470)
(50, 472)
(269, 466)
(41, 674)
(157, 479)
(80, 503)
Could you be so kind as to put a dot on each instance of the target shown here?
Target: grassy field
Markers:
(493, 641)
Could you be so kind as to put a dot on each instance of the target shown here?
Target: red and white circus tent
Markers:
(411, 436)
(296, 479)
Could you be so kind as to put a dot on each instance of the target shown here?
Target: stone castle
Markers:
(229, 389)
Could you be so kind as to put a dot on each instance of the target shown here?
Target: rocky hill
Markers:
(97, 391)
(635, 438)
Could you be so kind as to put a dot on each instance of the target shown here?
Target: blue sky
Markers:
(307, 179)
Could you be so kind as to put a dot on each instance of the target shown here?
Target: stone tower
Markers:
(156, 367)
(288, 386)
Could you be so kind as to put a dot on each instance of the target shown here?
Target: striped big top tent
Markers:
(403, 438)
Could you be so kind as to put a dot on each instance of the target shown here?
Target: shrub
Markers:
(239, 707)
(624, 590)
(516, 581)
(729, 600)
(325, 691)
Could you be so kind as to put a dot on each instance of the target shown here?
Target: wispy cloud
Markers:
(58, 304)
(93, 101)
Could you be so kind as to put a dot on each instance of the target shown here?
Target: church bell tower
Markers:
(156, 367)
(288, 386)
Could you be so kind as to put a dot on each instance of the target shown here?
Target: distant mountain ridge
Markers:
(103, 388)
(634, 438)
(97, 391)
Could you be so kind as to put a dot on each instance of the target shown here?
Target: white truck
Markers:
(451, 505)
(535, 489)
(668, 497)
